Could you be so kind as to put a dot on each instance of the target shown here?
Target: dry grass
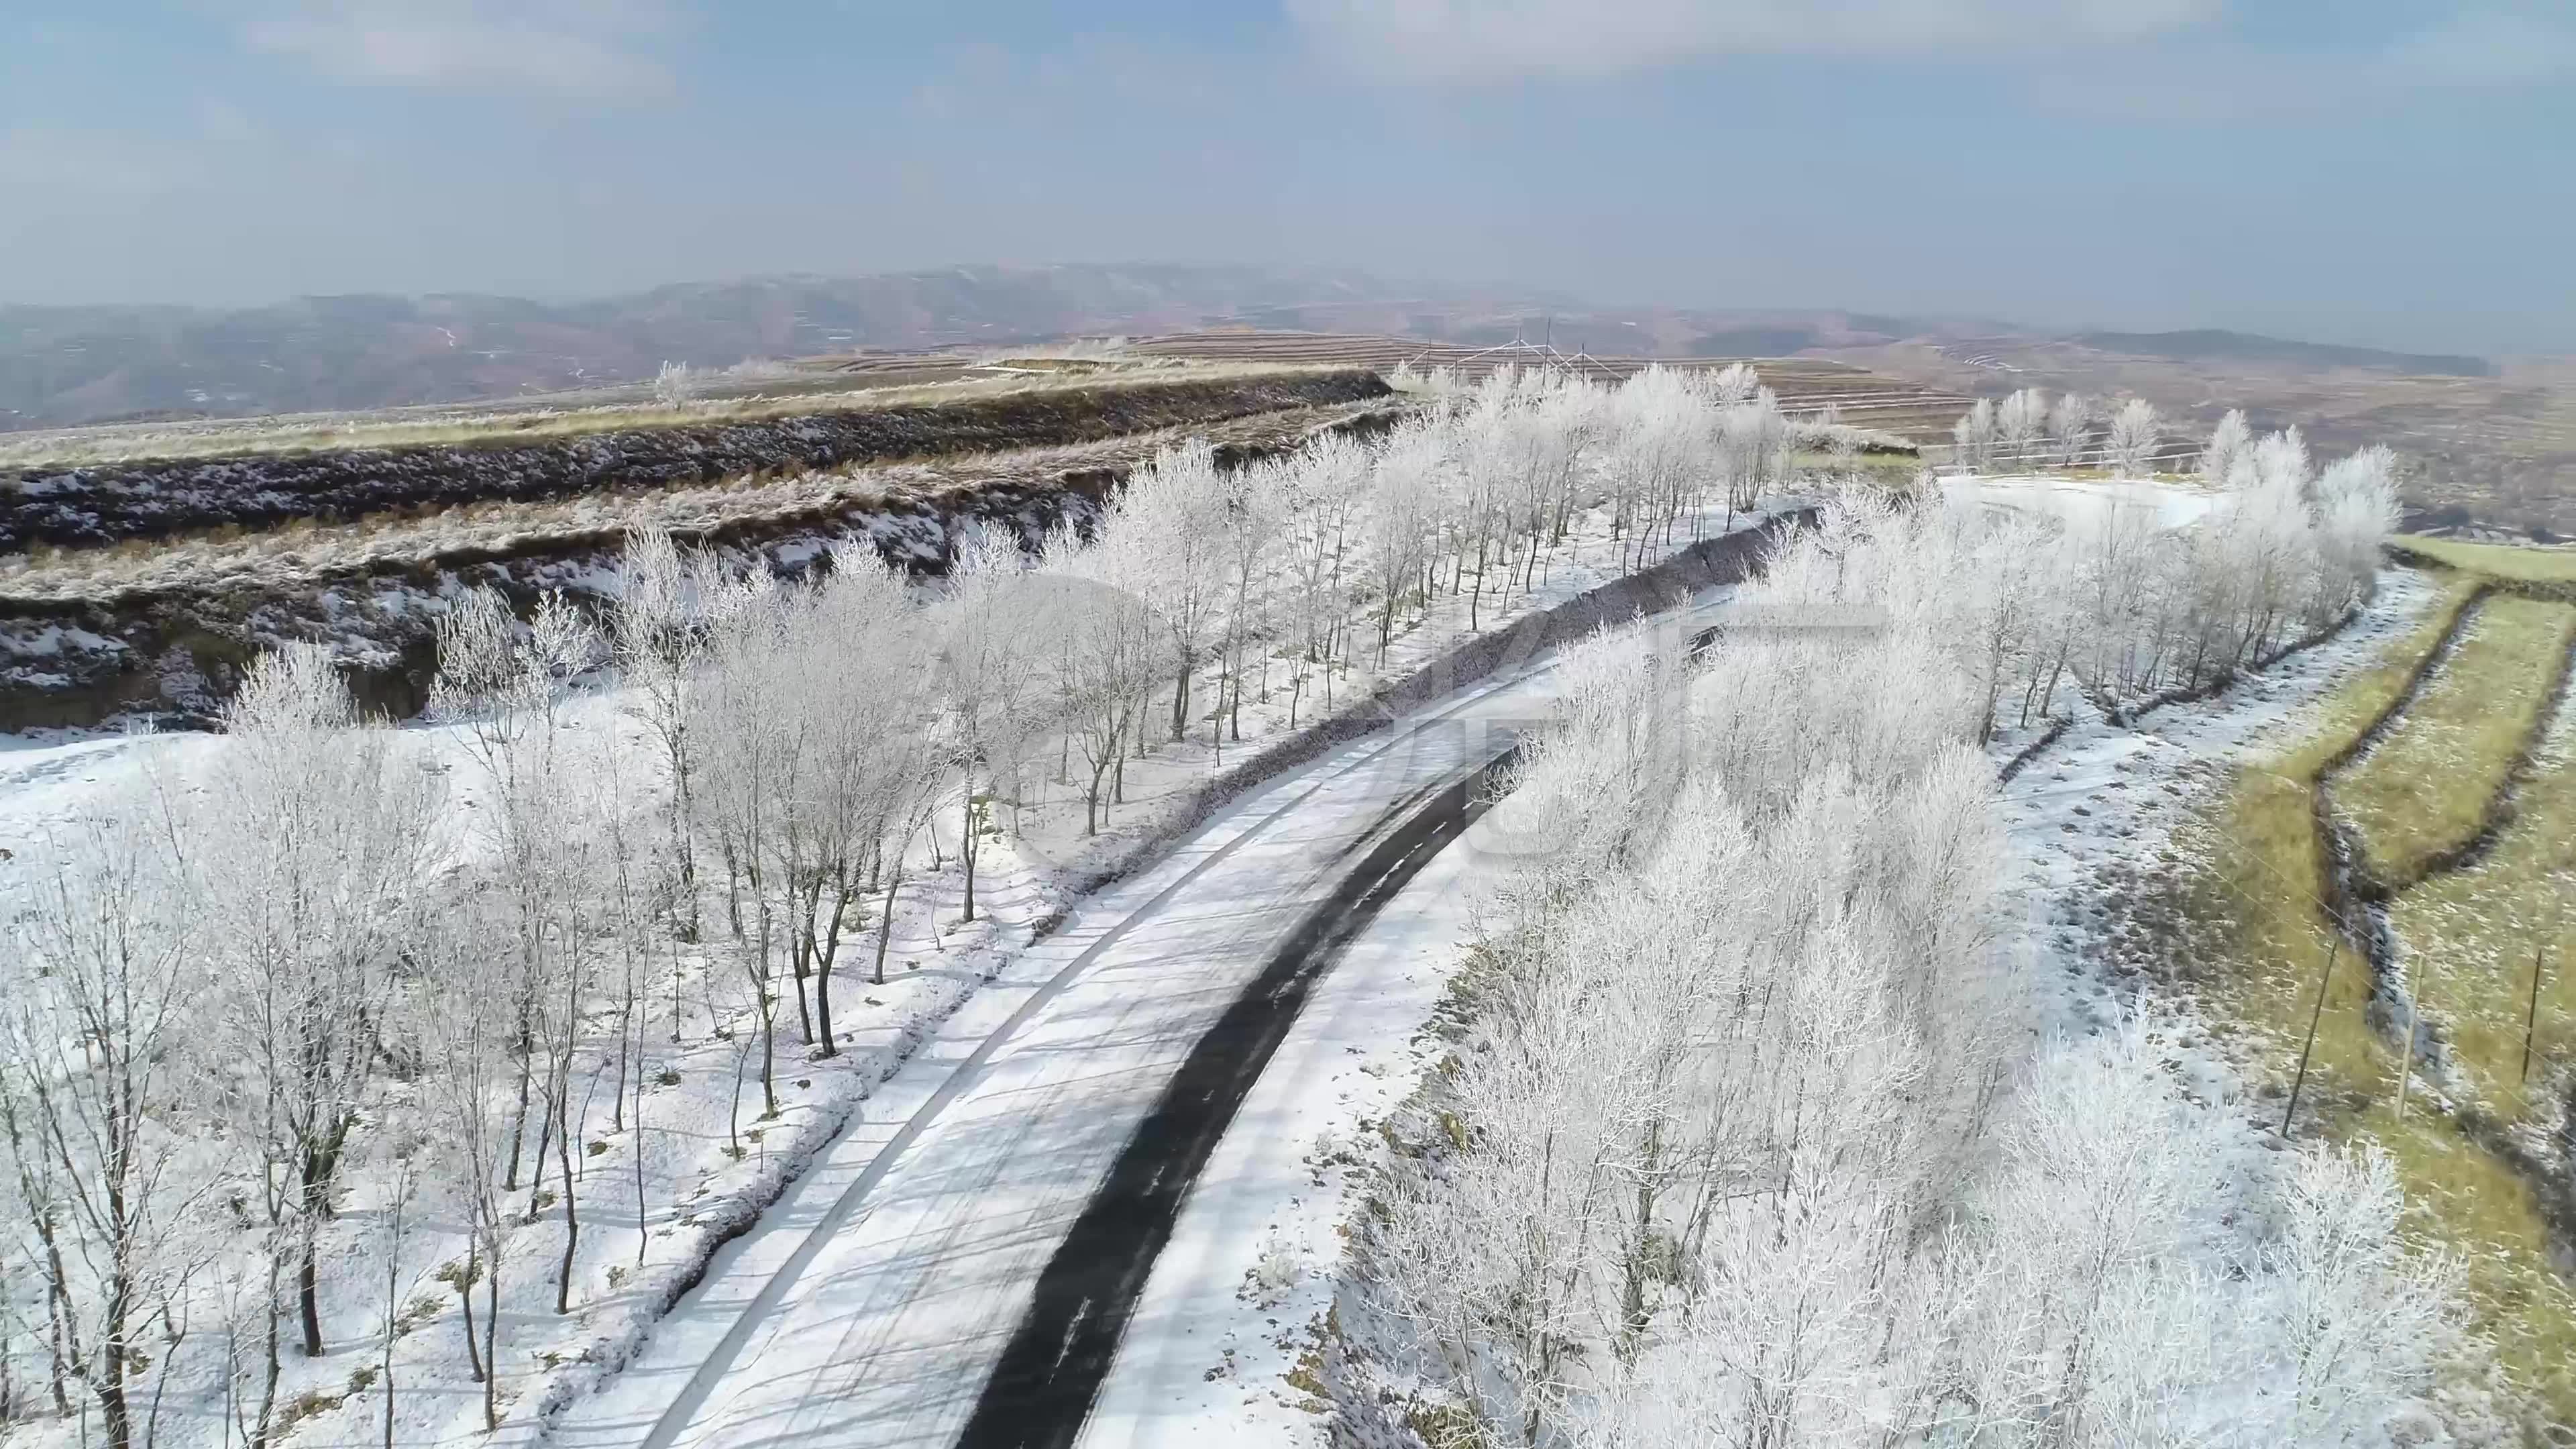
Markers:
(2480, 933)
(2473, 1205)
(2522, 565)
(303, 433)
(2268, 875)
(2423, 789)
(2260, 905)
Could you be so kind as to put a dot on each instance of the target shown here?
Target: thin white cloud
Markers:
(1500, 39)
(580, 49)
(2484, 48)
(57, 161)
(2494, 52)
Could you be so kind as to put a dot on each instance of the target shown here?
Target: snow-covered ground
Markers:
(2104, 798)
(870, 1305)
(692, 1165)
(2083, 500)
(987, 1084)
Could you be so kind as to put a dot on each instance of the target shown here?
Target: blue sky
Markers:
(2346, 170)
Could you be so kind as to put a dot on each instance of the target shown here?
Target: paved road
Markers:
(871, 1304)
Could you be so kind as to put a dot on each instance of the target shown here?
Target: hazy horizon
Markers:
(2363, 177)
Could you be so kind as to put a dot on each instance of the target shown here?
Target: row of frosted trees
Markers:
(2026, 432)
(2113, 597)
(323, 961)
(1735, 1152)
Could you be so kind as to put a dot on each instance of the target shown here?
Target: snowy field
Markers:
(2084, 502)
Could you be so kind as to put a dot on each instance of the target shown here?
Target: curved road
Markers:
(871, 1305)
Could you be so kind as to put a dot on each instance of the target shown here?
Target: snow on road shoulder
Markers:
(1225, 1334)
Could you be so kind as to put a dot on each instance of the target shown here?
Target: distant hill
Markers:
(62, 366)
(67, 366)
(2211, 345)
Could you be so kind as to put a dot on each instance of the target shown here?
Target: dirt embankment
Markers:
(158, 498)
(170, 648)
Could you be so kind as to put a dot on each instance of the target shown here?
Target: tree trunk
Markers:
(465, 1296)
(572, 1217)
(492, 1344)
(519, 1116)
(885, 923)
(112, 1408)
(268, 1340)
(966, 849)
(800, 968)
(308, 1296)
(680, 843)
(768, 1055)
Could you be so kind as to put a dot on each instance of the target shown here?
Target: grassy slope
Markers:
(2263, 899)
(2269, 875)
(2479, 930)
(2423, 790)
(2523, 565)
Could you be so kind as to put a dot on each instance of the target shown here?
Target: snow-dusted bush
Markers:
(675, 385)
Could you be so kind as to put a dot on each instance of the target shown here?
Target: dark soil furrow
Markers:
(160, 498)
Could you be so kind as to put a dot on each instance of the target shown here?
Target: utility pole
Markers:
(2334, 945)
(2414, 1019)
(2532, 1019)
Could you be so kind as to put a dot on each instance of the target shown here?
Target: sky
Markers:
(2383, 172)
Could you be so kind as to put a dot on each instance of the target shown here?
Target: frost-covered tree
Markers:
(1254, 506)
(1974, 436)
(659, 636)
(1108, 647)
(471, 1057)
(1172, 512)
(755, 754)
(1752, 450)
(547, 874)
(2356, 510)
(1403, 509)
(308, 851)
(675, 385)
(2070, 428)
(92, 1051)
(2231, 440)
(2020, 425)
(2134, 434)
(988, 661)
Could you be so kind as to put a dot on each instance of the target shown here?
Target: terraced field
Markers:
(197, 563)
(1806, 385)
(2423, 792)
(2400, 887)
